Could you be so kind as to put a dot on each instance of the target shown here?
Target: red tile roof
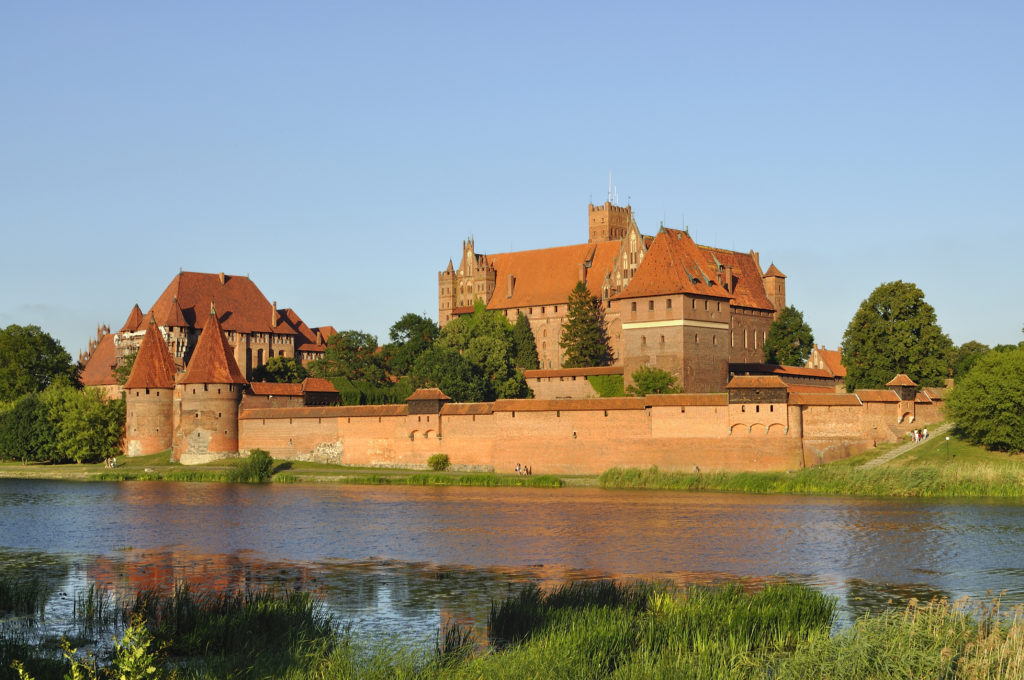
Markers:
(756, 381)
(547, 276)
(567, 372)
(675, 264)
(775, 369)
(831, 358)
(475, 409)
(610, 404)
(243, 307)
(922, 398)
(901, 380)
(812, 389)
(305, 340)
(774, 271)
(318, 385)
(886, 396)
(153, 365)
(708, 399)
(134, 322)
(268, 389)
(801, 399)
(935, 393)
(428, 394)
(212, 360)
(324, 412)
(98, 370)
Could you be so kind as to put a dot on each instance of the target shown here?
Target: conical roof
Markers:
(212, 360)
(774, 271)
(134, 322)
(153, 366)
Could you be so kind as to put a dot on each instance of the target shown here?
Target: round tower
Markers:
(211, 390)
(149, 396)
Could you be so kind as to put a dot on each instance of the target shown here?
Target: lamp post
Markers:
(947, 448)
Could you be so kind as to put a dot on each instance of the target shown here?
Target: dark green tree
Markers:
(410, 336)
(124, 368)
(26, 432)
(987, 403)
(966, 355)
(651, 380)
(584, 334)
(446, 369)
(280, 369)
(525, 344)
(789, 340)
(351, 354)
(895, 331)
(30, 359)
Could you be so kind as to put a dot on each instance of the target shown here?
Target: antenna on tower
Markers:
(615, 199)
(609, 186)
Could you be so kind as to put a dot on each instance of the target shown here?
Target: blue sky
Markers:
(340, 153)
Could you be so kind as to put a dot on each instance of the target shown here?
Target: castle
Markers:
(256, 329)
(669, 303)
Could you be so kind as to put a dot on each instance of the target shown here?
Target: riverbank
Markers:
(935, 469)
(596, 629)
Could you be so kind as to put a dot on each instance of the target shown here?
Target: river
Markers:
(399, 560)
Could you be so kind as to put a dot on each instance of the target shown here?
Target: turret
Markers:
(211, 390)
(775, 288)
(608, 222)
(149, 395)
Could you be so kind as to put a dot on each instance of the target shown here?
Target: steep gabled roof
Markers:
(318, 385)
(98, 370)
(547, 276)
(428, 394)
(305, 340)
(901, 380)
(134, 321)
(153, 365)
(212, 360)
(675, 264)
(833, 360)
(243, 308)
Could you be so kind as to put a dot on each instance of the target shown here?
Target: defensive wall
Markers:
(758, 428)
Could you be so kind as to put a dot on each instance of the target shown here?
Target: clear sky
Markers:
(339, 153)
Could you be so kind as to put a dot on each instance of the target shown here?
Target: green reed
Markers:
(22, 595)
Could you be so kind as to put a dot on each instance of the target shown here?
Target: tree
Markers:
(410, 336)
(280, 369)
(895, 331)
(26, 433)
(124, 368)
(585, 335)
(473, 359)
(525, 344)
(353, 355)
(966, 355)
(987, 404)
(30, 359)
(651, 380)
(789, 340)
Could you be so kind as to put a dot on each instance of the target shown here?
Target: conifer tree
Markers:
(525, 344)
(585, 335)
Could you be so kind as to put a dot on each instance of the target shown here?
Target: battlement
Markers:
(608, 222)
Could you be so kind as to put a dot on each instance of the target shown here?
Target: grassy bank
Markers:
(581, 630)
(928, 471)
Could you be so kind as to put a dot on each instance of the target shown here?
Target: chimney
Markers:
(275, 318)
(511, 285)
(727, 275)
(583, 272)
(222, 278)
(319, 337)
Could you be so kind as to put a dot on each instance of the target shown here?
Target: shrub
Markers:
(651, 380)
(256, 467)
(439, 462)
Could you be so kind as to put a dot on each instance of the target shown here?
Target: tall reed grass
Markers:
(24, 595)
(922, 481)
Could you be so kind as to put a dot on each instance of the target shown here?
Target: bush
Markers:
(439, 462)
(988, 403)
(257, 467)
(650, 380)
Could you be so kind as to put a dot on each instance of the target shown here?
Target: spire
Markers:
(134, 322)
(153, 366)
(212, 360)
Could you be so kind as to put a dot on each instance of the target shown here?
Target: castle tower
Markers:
(211, 390)
(446, 297)
(609, 222)
(149, 393)
(775, 288)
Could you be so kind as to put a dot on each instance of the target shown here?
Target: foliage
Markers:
(62, 424)
(280, 369)
(353, 355)
(789, 340)
(525, 344)
(439, 462)
(30, 360)
(966, 355)
(895, 331)
(585, 334)
(257, 467)
(652, 380)
(988, 403)
(607, 385)
(410, 337)
(472, 360)
(124, 367)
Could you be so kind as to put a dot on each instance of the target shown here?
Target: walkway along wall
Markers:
(583, 436)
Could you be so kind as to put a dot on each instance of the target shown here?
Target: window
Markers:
(650, 305)
(693, 304)
(696, 339)
(633, 306)
(643, 341)
(705, 305)
(668, 303)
